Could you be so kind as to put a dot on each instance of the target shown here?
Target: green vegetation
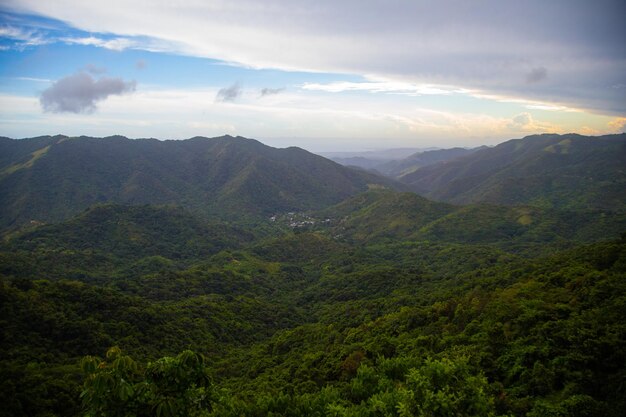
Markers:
(168, 387)
(424, 318)
(386, 304)
(51, 179)
(550, 171)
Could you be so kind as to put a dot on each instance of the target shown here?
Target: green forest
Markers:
(381, 304)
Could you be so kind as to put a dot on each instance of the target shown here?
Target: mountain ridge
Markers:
(50, 178)
(549, 170)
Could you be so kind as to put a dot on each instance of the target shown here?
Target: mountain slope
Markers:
(418, 160)
(568, 171)
(387, 216)
(52, 178)
(134, 232)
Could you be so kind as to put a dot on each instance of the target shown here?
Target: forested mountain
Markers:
(387, 216)
(334, 302)
(566, 171)
(52, 178)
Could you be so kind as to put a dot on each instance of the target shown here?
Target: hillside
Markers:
(49, 179)
(349, 317)
(374, 304)
(398, 168)
(134, 232)
(562, 171)
(385, 216)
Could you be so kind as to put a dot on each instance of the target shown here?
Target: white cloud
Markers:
(23, 37)
(116, 44)
(334, 121)
(33, 79)
(532, 50)
(382, 87)
(525, 123)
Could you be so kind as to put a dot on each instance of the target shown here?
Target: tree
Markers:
(445, 388)
(169, 387)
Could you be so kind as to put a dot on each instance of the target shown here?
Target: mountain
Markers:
(398, 168)
(359, 161)
(563, 171)
(49, 179)
(401, 293)
(371, 159)
(395, 164)
(387, 216)
(376, 155)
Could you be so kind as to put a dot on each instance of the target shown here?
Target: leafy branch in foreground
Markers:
(169, 387)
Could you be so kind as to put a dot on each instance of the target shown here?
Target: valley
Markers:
(224, 277)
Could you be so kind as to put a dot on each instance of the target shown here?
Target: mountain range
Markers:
(48, 179)
(561, 171)
(224, 278)
(397, 164)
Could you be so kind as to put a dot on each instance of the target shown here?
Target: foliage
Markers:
(550, 171)
(399, 306)
(230, 178)
(168, 387)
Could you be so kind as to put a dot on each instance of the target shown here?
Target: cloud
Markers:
(79, 93)
(115, 44)
(488, 45)
(536, 75)
(23, 37)
(618, 125)
(94, 69)
(271, 91)
(522, 120)
(228, 93)
(33, 79)
(383, 87)
(140, 64)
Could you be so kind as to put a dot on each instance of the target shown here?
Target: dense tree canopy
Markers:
(337, 318)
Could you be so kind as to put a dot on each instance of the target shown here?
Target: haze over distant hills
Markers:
(372, 160)
(396, 169)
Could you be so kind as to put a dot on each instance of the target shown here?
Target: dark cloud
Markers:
(271, 91)
(536, 75)
(229, 93)
(79, 93)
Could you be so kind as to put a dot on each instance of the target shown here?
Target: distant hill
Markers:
(359, 161)
(51, 178)
(398, 168)
(562, 171)
(379, 216)
(371, 159)
(395, 163)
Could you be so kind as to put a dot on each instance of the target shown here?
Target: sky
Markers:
(324, 75)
